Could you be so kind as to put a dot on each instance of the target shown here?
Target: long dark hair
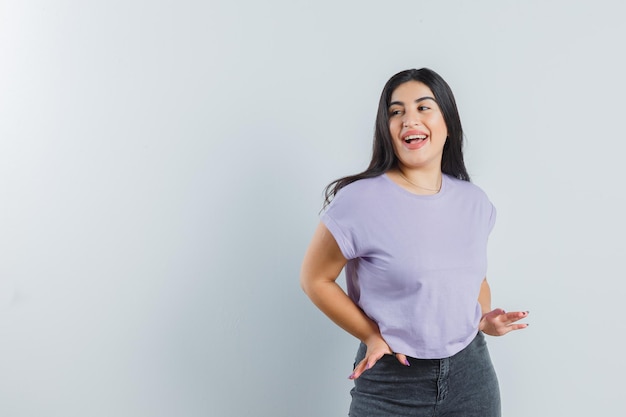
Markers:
(383, 155)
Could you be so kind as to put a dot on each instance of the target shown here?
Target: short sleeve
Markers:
(492, 217)
(337, 220)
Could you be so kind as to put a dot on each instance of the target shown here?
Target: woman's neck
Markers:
(418, 181)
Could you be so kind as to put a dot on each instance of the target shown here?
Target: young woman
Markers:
(412, 231)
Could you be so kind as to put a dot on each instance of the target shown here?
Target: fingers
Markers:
(499, 323)
(370, 361)
(515, 316)
(364, 365)
(402, 359)
(507, 318)
(512, 318)
(359, 369)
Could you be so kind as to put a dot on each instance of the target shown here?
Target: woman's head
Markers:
(383, 155)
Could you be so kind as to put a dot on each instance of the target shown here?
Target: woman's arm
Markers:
(484, 297)
(322, 264)
(497, 322)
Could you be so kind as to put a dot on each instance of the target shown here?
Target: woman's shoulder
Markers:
(361, 190)
(465, 187)
(364, 184)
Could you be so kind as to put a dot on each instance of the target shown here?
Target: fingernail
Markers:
(351, 376)
(406, 362)
(368, 366)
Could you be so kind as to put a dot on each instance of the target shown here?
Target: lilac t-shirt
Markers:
(415, 262)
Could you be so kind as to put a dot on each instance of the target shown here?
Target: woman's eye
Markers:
(422, 108)
(395, 112)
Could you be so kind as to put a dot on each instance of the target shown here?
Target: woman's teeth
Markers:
(411, 138)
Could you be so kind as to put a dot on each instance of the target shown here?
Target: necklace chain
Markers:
(416, 185)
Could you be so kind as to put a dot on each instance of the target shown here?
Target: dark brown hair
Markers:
(383, 155)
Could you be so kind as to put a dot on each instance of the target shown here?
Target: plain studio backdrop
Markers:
(161, 172)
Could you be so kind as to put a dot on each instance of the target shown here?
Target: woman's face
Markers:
(417, 127)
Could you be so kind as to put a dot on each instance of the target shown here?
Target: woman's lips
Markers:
(415, 144)
(414, 133)
(414, 139)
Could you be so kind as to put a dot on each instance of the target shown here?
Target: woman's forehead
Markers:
(410, 91)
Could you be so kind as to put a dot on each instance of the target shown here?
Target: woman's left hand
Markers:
(498, 322)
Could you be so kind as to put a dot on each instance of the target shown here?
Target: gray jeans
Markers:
(463, 385)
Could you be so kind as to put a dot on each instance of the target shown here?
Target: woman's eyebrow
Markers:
(399, 103)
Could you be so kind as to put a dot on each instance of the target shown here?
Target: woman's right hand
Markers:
(376, 349)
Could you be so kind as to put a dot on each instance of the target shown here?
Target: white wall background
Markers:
(161, 170)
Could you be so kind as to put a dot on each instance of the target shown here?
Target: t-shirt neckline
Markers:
(444, 186)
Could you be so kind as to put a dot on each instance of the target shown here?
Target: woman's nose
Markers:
(411, 118)
(410, 121)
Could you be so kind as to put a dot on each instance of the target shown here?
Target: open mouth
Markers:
(414, 138)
